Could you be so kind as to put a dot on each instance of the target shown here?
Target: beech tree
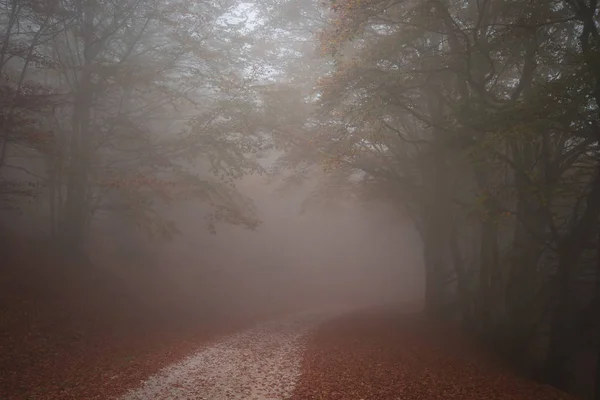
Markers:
(149, 103)
(480, 120)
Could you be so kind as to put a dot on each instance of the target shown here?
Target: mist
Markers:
(295, 258)
(176, 172)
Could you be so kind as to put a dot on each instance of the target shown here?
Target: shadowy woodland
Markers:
(476, 120)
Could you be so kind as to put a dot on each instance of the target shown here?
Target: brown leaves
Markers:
(386, 357)
(73, 332)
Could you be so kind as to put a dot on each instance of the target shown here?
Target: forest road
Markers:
(260, 363)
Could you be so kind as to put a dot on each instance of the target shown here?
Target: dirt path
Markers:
(261, 363)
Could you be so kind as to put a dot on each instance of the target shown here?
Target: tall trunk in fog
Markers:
(522, 285)
(465, 299)
(432, 236)
(438, 238)
(570, 250)
(56, 184)
(433, 258)
(488, 281)
(76, 202)
(572, 245)
(437, 215)
(488, 259)
(530, 229)
(597, 321)
(52, 189)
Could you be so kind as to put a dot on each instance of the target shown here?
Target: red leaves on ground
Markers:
(70, 332)
(377, 356)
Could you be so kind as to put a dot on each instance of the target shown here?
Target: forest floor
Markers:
(69, 331)
(73, 334)
(357, 356)
(390, 356)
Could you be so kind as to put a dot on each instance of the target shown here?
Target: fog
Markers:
(165, 163)
(165, 127)
(347, 254)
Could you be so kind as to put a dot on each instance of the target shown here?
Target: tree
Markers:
(26, 103)
(482, 117)
(154, 107)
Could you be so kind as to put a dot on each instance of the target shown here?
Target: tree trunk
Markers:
(488, 265)
(462, 286)
(76, 203)
(523, 278)
(560, 334)
(437, 212)
(597, 384)
(438, 219)
(433, 289)
(570, 250)
(52, 197)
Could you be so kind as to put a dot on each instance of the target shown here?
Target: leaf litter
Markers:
(383, 356)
